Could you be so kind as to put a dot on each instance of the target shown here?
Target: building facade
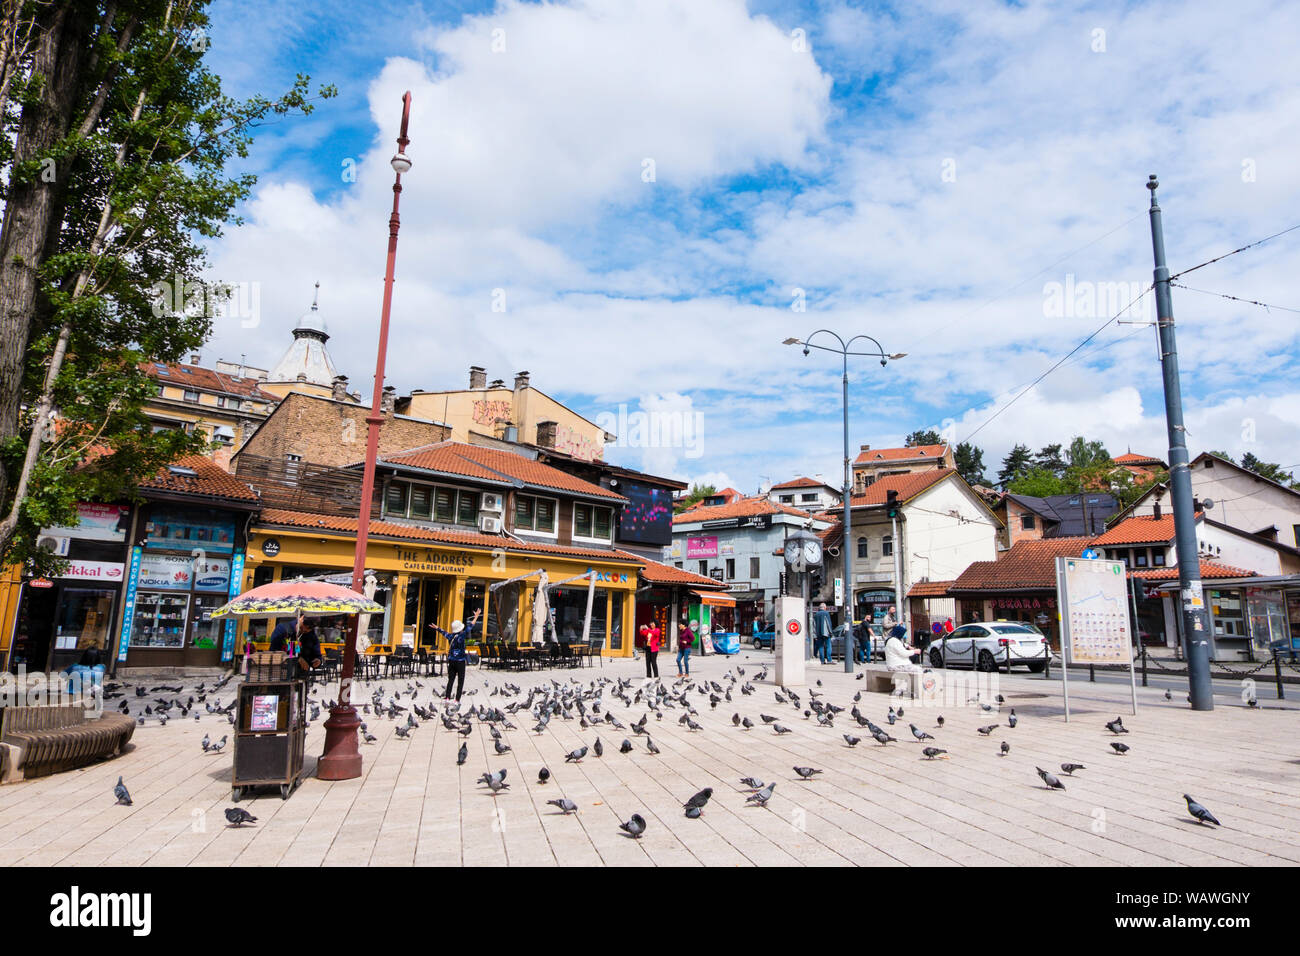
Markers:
(875, 463)
(807, 494)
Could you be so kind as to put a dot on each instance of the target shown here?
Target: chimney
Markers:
(1156, 511)
(477, 376)
(498, 383)
(546, 434)
(512, 433)
(387, 400)
(339, 389)
(302, 376)
(521, 381)
(194, 358)
(866, 448)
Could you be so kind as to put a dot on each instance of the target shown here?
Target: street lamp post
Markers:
(845, 350)
(342, 757)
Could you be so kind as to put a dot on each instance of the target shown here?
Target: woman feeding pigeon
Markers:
(456, 656)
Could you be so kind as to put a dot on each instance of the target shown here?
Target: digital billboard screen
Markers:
(647, 516)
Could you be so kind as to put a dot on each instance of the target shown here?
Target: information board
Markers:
(266, 713)
(1093, 598)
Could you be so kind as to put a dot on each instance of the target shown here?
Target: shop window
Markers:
(616, 621)
(887, 546)
(753, 568)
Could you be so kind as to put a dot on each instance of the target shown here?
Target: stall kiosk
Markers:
(270, 726)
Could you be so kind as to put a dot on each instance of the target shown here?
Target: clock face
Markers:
(791, 551)
(812, 552)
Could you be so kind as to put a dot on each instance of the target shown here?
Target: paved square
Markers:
(871, 805)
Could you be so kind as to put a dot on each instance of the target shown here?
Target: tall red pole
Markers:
(342, 757)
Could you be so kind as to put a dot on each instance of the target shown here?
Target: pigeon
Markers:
(206, 743)
(122, 794)
(367, 736)
(851, 740)
(1006, 748)
(496, 781)
(693, 813)
(625, 746)
(462, 755)
(753, 783)
(403, 731)
(238, 816)
(1116, 726)
(217, 747)
(1050, 779)
(566, 805)
(1252, 701)
(1120, 748)
(760, 797)
(543, 775)
(883, 738)
(939, 721)
(806, 772)
(1202, 815)
(1070, 768)
(1168, 696)
(574, 756)
(780, 730)
(598, 748)
(634, 826)
(987, 730)
(919, 734)
(700, 799)
(650, 746)
(747, 723)
(501, 748)
(932, 752)
(1012, 719)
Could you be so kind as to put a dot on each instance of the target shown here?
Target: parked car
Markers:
(867, 636)
(764, 635)
(990, 645)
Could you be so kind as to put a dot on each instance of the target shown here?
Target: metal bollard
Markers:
(1092, 675)
(1144, 665)
(1277, 674)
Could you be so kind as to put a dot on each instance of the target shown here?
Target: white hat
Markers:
(457, 627)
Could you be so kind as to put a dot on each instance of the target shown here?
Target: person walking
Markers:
(685, 638)
(822, 630)
(456, 656)
(653, 641)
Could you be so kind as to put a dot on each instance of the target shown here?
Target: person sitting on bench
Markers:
(898, 653)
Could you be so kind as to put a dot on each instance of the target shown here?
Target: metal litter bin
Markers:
(270, 726)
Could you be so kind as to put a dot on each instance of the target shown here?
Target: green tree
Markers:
(1267, 469)
(926, 436)
(1017, 462)
(693, 497)
(1049, 459)
(969, 460)
(1037, 483)
(1087, 454)
(116, 139)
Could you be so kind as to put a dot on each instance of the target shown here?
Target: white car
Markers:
(992, 645)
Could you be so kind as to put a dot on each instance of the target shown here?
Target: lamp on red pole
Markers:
(342, 757)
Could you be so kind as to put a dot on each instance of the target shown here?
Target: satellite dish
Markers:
(1207, 504)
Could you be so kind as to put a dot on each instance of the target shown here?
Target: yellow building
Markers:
(494, 409)
(225, 407)
(430, 576)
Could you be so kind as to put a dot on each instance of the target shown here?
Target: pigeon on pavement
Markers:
(566, 805)
(851, 740)
(598, 748)
(1050, 779)
(806, 772)
(625, 747)
(932, 752)
(543, 775)
(501, 748)
(1006, 748)
(1012, 719)
(1070, 768)
(1120, 748)
(1116, 726)
(634, 827)
(699, 800)
(402, 731)
(780, 730)
(238, 816)
(760, 797)
(753, 783)
(576, 755)
(1202, 815)
(463, 754)
(650, 746)
(122, 794)
(987, 730)
(693, 813)
(883, 738)
(747, 723)
(919, 734)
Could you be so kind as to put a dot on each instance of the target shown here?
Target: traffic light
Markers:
(891, 503)
(816, 580)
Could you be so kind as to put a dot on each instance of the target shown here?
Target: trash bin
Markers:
(270, 726)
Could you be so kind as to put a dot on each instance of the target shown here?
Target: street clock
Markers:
(803, 549)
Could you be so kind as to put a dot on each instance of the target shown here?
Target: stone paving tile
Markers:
(872, 806)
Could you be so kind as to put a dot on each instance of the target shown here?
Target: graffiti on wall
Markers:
(491, 411)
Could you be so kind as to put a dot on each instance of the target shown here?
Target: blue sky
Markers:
(921, 172)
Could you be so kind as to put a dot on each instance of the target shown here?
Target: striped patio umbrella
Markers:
(290, 597)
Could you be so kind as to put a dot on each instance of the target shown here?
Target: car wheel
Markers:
(936, 659)
(1037, 667)
(986, 661)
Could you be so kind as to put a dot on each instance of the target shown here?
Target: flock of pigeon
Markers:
(591, 706)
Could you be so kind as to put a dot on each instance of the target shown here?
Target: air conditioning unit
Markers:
(490, 501)
(56, 544)
(489, 524)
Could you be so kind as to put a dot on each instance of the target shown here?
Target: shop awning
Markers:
(715, 600)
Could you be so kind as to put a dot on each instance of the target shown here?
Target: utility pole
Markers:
(1180, 480)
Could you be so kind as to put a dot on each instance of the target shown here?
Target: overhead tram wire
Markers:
(1249, 245)
(1063, 359)
(1224, 295)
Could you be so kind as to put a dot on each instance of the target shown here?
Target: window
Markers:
(407, 499)
(808, 497)
(1027, 522)
(704, 568)
(221, 401)
(1158, 558)
(731, 569)
(534, 514)
(191, 395)
(233, 403)
(396, 497)
(677, 564)
(753, 568)
(444, 505)
(887, 545)
(161, 391)
(1141, 557)
(421, 501)
(787, 499)
(1295, 530)
(291, 463)
(467, 507)
(592, 521)
(862, 548)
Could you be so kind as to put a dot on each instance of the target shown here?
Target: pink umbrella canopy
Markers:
(290, 597)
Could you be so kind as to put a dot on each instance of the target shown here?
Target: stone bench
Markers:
(40, 740)
(880, 679)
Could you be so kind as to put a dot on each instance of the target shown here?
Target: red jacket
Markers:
(653, 639)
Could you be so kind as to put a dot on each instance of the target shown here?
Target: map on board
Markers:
(1093, 598)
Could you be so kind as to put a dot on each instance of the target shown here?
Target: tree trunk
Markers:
(33, 204)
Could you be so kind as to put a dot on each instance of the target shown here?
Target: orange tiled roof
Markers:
(1139, 529)
(907, 486)
(209, 480)
(800, 483)
(930, 589)
(913, 453)
(1028, 564)
(1210, 570)
(495, 465)
(742, 508)
(1132, 459)
(207, 380)
(656, 572)
(391, 529)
